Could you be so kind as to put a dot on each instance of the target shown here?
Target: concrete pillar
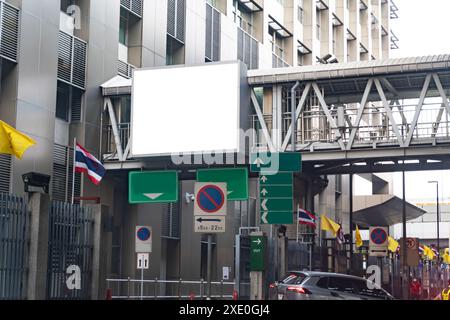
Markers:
(101, 259)
(39, 207)
(256, 286)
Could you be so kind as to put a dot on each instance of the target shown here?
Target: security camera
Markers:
(189, 198)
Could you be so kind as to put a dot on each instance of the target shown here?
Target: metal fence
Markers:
(14, 236)
(131, 289)
(70, 243)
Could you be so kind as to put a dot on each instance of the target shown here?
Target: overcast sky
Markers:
(423, 28)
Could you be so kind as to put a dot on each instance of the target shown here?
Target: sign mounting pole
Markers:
(209, 266)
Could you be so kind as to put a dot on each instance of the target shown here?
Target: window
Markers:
(123, 31)
(341, 284)
(300, 12)
(293, 278)
(323, 283)
(318, 23)
(68, 102)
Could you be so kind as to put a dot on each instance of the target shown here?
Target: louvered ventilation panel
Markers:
(5, 173)
(176, 19)
(248, 50)
(63, 175)
(170, 221)
(72, 60)
(75, 110)
(9, 31)
(212, 33)
(134, 6)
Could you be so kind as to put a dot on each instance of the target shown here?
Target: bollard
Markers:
(129, 288)
(108, 294)
(201, 289)
(235, 295)
(192, 297)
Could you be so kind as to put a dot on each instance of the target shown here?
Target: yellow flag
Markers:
(447, 256)
(393, 245)
(13, 142)
(428, 252)
(359, 241)
(329, 225)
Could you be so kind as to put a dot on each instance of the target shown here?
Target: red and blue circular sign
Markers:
(144, 234)
(210, 199)
(378, 236)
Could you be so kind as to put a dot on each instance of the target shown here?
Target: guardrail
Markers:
(126, 289)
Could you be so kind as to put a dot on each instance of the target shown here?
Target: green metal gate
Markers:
(14, 247)
(70, 243)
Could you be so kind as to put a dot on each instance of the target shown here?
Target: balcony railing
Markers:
(133, 6)
(9, 32)
(125, 69)
(109, 146)
(72, 60)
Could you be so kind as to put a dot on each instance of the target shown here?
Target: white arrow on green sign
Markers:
(235, 178)
(276, 198)
(153, 187)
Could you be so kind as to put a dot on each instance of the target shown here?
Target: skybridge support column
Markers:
(277, 114)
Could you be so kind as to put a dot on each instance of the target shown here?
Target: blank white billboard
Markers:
(185, 110)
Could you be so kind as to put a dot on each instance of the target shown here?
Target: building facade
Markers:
(56, 54)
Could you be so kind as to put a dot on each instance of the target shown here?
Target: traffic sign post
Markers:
(153, 187)
(236, 180)
(276, 198)
(379, 242)
(257, 264)
(412, 252)
(143, 239)
(210, 210)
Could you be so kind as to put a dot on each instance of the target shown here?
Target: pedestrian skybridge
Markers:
(356, 117)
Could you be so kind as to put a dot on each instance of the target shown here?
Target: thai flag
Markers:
(421, 250)
(88, 164)
(307, 218)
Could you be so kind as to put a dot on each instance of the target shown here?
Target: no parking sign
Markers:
(379, 242)
(210, 199)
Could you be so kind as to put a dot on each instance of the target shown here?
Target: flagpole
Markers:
(298, 219)
(74, 162)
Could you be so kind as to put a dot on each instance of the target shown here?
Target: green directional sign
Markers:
(276, 191)
(153, 187)
(283, 178)
(236, 180)
(276, 162)
(277, 204)
(276, 198)
(278, 217)
(257, 253)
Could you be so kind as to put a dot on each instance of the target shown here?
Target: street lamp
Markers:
(437, 213)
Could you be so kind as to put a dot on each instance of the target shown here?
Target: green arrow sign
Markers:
(277, 217)
(277, 205)
(283, 178)
(257, 253)
(236, 180)
(276, 162)
(153, 187)
(276, 191)
(276, 198)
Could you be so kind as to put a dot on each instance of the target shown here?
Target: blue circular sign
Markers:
(144, 234)
(378, 236)
(210, 199)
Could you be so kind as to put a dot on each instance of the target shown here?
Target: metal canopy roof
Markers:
(117, 86)
(346, 82)
(382, 210)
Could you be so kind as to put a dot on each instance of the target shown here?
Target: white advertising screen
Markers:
(185, 110)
